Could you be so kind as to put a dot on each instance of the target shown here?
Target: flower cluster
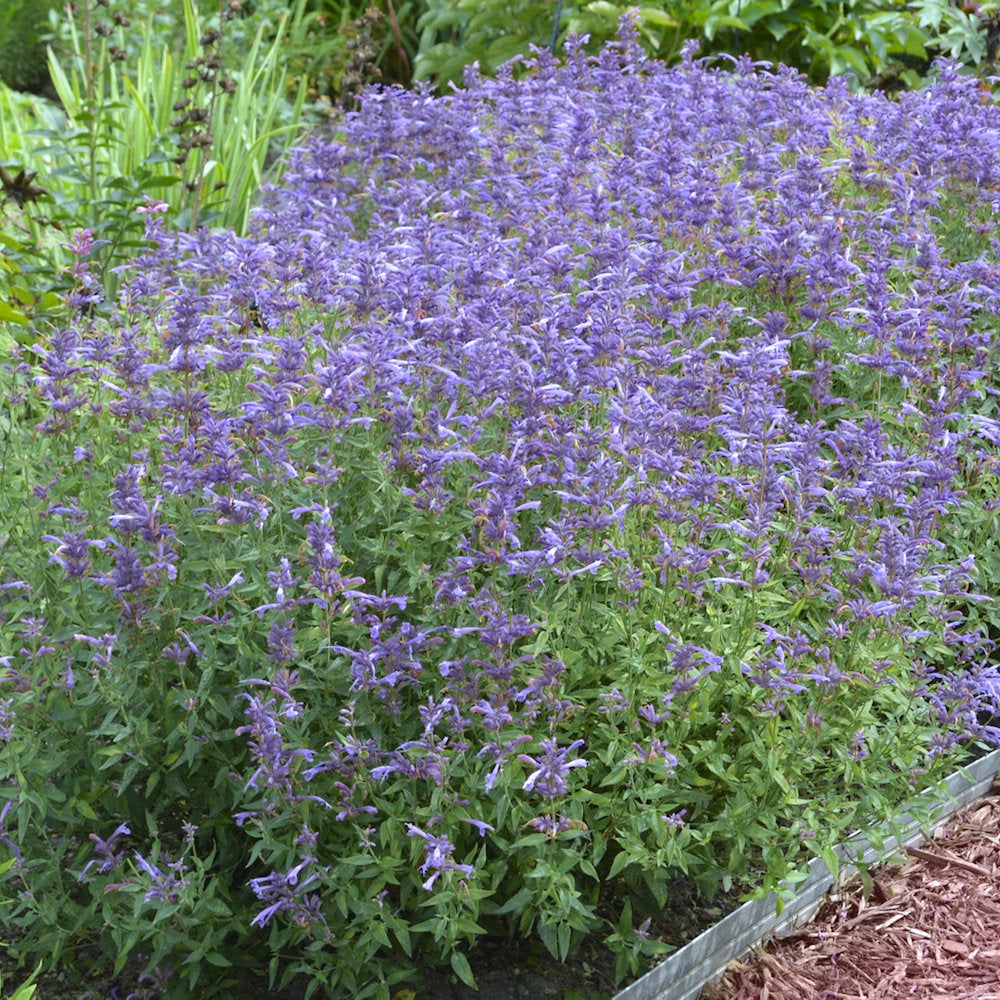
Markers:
(575, 433)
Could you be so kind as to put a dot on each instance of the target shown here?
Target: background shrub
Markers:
(24, 30)
(879, 42)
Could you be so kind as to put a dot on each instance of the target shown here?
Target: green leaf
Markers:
(622, 860)
(8, 314)
(654, 15)
(829, 855)
(84, 809)
(460, 964)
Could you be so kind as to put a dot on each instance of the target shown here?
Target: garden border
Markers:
(684, 974)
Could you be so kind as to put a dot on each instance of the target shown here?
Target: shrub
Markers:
(24, 25)
(571, 485)
(883, 42)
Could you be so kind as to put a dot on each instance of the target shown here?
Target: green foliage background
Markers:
(24, 25)
(870, 39)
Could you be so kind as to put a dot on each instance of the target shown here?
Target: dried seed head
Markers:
(181, 105)
(210, 36)
(103, 29)
(227, 85)
(120, 19)
(189, 82)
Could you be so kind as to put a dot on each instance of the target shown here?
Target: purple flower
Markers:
(105, 849)
(72, 553)
(281, 642)
(218, 594)
(551, 771)
(675, 819)
(438, 850)
(283, 892)
(165, 886)
(274, 759)
(552, 826)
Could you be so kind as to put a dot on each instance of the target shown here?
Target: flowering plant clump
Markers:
(575, 484)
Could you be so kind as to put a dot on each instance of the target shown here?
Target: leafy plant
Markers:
(23, 26)
(881, 42)
(555, 496)
(193, 132)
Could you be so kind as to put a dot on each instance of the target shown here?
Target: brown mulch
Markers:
(929, 930)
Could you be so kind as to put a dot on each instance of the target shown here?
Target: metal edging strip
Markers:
(685, 973)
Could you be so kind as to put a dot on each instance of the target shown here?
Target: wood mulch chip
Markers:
(929, 930)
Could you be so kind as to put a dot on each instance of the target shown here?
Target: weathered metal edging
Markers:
(685, 973)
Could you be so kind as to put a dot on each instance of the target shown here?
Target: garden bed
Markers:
(576, 488)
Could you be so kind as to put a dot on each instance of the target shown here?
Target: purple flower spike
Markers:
(549, 776)
(437, 857)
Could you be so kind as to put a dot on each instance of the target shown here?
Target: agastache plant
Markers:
(575, 484)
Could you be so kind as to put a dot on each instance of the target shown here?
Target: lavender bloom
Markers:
(180, 654)
(165, 886)
(134, 514)
(218, 594)
(7, 806)
(437, 856)
(129, 576)
(105, 849)
(552, 826)
(283, 582)
(72, 552)
(657, 750)
(549, 776)
(281, 642)
(283, 892)
(500, 755)
(274, 760)
(103, 648)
